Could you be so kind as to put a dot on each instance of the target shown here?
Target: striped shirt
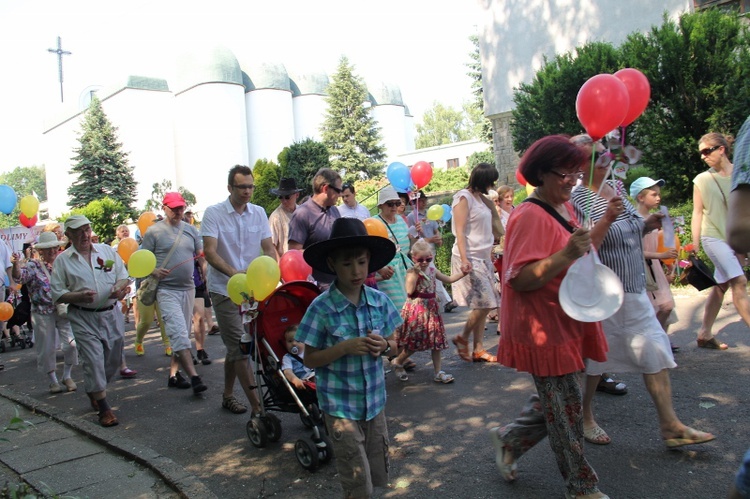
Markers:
(352, 386)
(622, 247)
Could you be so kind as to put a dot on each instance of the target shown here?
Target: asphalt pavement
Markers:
(171, 443)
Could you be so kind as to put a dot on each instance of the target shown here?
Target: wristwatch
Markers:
(387, 349)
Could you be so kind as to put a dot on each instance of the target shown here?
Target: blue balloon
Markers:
(393, 165)
(399, 176)
(8, 199)
(446, 213)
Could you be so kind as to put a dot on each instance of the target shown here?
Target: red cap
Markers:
(173, 200)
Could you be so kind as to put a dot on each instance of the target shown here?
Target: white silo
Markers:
(409, 130)
(388, 111)
(210, 125)
(308, 99)
(268, 106)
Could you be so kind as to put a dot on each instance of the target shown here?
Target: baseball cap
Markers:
(76, 221)
(644, 183)
(173, 200)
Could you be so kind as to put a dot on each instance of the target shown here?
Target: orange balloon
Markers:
(6, 311)
(660, 248)
(376, 227)
(127, 247)
(145, 221)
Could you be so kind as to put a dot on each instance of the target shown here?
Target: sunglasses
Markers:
(569, 176)
(708, 150)
(285, 197)
(338, 191)
(392, 204)
(424, 260)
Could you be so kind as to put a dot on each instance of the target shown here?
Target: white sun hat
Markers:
(590, 291)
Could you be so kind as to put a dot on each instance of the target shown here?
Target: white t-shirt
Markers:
(359, 211)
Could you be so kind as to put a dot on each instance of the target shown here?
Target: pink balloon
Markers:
(293, 266)
(602, 104)
(639, 91)
(421, 173)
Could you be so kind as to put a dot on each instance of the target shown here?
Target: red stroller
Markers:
(283, 308)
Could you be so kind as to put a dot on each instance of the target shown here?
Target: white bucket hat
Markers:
(590, 291)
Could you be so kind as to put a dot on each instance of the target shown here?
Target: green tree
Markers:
(482, 126)
(349, 130)
(25, 180)
(443, 125)
(699, 70)
(100, 163)
(302, 160)
(448, 180)
(266, 175)
(480, 157)
(158, 190)
(547, 105)
(105, 215)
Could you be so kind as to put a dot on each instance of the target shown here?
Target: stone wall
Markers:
(506, 158)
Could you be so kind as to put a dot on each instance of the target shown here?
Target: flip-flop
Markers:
(462, 346)
(691, 436)
(596, 435)
(712, 344)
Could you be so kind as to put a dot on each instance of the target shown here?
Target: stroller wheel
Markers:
(325, 453)
(256, 432)
(23, 344)
(307, 453)
(273, 427)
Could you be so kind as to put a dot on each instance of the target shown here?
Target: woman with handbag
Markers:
(710, 193)
(50, 321)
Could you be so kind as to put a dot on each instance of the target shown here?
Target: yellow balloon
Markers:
(237, 289)
(529, 189)
(263, 276)
(29, 206)
(435, 212)
(141, 263)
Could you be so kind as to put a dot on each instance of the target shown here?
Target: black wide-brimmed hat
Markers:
(350, 232)
(287, 186)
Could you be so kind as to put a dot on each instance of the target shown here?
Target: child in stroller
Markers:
(292, 365)
(18, 330)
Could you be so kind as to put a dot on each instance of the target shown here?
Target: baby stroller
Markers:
(283, 308)
(19, 325)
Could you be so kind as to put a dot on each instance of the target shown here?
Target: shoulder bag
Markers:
(147, 291)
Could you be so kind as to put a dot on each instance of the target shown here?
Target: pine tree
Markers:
(349, 131)
(101, 165)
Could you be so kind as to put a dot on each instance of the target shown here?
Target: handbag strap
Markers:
(553, 213)
(174, 245)
(720, 190)
(395, 240)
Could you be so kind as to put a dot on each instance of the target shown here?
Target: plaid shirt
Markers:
(352, 386)
(37, 284)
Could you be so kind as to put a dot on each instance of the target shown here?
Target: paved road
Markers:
(439, 441)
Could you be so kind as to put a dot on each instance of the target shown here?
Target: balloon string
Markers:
(590, 206)
(416, 213)
(185, 261)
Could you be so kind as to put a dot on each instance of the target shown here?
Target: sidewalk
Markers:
(61, 454)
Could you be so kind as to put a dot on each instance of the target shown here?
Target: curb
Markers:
(187, 485)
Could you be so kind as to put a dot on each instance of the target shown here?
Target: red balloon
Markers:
(639, 91)
(293, 266)
(601, 104)
(520, 178)
(28, 222)
(421, 173)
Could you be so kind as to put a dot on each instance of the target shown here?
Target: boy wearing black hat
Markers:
(346, 330)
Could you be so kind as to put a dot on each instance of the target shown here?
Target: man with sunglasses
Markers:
(279, 219)
(313, 219)
(350, 208)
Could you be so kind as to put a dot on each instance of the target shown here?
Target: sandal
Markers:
(507, 471)
(712, 344)
(483, 356)
(609, 385)
(690, 436)
(232, 405)
(443, 377)
(462, 346)
(596, 436)
(400, 372)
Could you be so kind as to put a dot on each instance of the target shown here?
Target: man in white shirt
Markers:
(235, 232)
(350, 208)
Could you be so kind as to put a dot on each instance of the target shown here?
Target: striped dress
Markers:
(395, 287)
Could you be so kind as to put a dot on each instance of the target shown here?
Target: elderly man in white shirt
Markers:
(92, 279)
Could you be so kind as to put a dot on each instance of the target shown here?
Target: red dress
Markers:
(423, 327)
(538, 337)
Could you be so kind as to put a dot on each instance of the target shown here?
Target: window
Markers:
(453, 163)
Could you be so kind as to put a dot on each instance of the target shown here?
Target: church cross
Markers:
(60, 53)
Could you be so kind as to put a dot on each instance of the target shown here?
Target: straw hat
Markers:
(47, 240)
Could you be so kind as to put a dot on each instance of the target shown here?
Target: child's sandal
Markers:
(400, 372)
(443, 377)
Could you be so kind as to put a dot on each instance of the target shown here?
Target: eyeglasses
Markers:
(392, 204)
(424, 260)
(285, 197)
(338, 191)
(244, 187)
(708, 150)
(569, 176)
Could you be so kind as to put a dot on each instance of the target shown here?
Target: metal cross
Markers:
(60, 53)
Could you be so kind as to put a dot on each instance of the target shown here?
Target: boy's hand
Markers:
(357, 346)
(376, 343)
